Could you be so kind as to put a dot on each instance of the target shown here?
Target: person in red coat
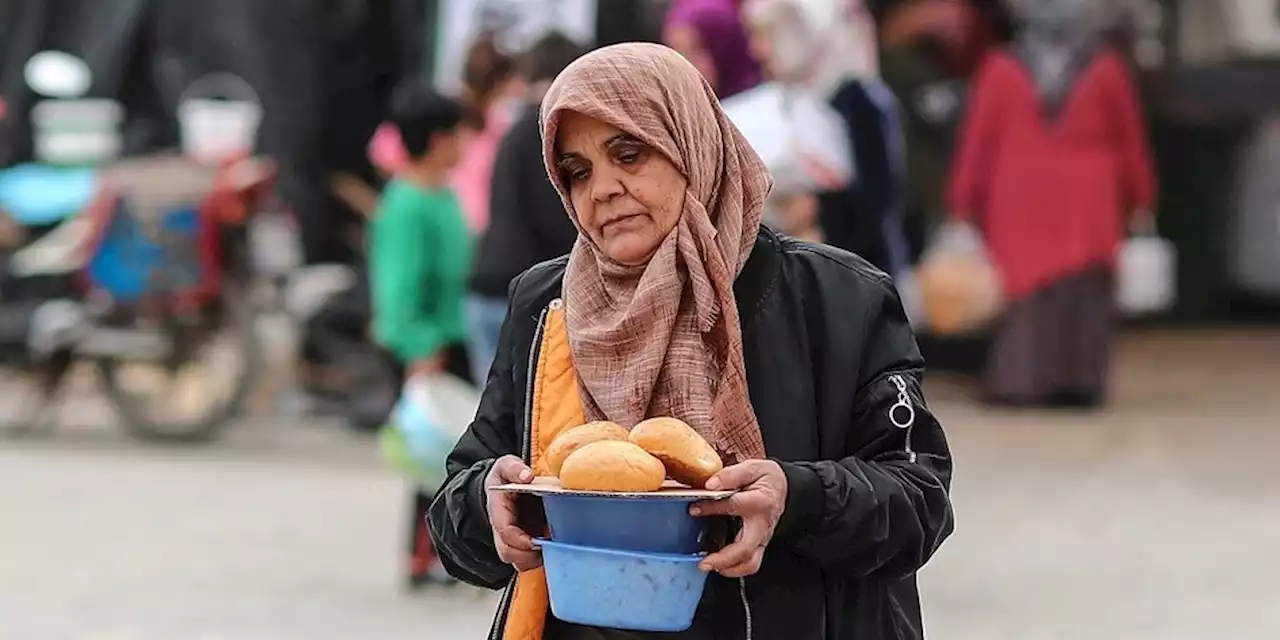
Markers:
(1053, 157)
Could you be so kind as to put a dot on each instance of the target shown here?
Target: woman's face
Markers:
(686, 40)
(626, 195)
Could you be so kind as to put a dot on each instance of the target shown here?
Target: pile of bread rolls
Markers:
(603, 456)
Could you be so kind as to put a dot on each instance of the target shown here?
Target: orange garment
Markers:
(556, 407)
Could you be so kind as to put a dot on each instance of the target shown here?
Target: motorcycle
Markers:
(150, 284)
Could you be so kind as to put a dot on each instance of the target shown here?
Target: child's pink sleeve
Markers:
(386, 151)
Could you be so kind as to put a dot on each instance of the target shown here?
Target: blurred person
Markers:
(829, 47)
(419, 258)
(928, 49)
(1052, 160)
(527, 223)
(711, 35)
(492, 97)
(675, 302)
(795, 214)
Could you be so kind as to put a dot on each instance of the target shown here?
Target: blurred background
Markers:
(193, 408)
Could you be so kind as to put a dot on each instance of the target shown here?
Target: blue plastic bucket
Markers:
(629, 590)
(655, 524)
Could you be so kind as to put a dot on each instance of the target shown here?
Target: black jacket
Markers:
(527, 220)
(831, 364)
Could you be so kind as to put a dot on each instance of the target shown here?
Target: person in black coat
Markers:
(527, 222)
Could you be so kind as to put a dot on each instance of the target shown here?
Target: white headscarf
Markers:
(818, 43)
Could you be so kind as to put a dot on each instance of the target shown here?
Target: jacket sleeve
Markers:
(885, 508)
(459, 514)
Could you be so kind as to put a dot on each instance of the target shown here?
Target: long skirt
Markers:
(1053, 347)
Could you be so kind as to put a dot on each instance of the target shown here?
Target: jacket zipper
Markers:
(746, 606)
(526, 449)
(903, 412)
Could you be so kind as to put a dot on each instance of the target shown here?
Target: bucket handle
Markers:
(228, 84)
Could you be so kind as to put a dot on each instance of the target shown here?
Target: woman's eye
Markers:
(577, 175)
(628, 156)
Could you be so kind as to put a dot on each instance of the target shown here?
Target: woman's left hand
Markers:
(761, 496)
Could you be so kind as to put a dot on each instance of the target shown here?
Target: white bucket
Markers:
(215, 131)
(81, 131)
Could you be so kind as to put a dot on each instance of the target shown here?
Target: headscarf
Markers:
(718, 24)
(818, 43)
(1056, 41)
(664, 339)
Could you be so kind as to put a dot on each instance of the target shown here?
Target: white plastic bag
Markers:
(959, 286)
(432, 413)
(1146, 275)
(803, 141)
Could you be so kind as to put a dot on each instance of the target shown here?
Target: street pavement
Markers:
(1157, 519)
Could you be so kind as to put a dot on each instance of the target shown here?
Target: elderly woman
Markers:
(793, 359)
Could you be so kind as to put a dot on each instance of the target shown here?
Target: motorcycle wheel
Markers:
(146, 419)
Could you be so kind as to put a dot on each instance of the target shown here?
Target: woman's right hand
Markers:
(514, 544)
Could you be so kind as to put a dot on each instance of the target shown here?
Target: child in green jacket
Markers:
(419, 262)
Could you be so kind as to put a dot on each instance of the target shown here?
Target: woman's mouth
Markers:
(623, 223)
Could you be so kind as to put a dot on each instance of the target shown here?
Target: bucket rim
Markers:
(673, 558)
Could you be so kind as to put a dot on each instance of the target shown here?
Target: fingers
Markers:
(745, 504)
(748, 568)
(744, 556)
(737, 476)
(509, 470)
(515, 548)
(513, 544)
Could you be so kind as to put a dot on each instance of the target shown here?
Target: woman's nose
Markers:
(605, 187)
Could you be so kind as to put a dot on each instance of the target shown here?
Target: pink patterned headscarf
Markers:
(664, 339)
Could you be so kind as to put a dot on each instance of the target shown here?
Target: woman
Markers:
(794, 359)
(1053, 157)
(828, 46)
(711, 35)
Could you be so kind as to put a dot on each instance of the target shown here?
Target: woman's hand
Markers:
(761, 497)
(514, 545)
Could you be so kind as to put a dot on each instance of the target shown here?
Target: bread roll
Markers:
(612, 465)
(688, 458)
(573, 439)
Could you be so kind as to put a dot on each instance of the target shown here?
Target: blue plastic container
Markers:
(37, 194)
(629, 590)
(654, 523)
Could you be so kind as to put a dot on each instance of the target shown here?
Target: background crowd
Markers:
(1045, 132)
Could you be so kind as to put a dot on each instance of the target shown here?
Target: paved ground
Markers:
(1156, 520)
